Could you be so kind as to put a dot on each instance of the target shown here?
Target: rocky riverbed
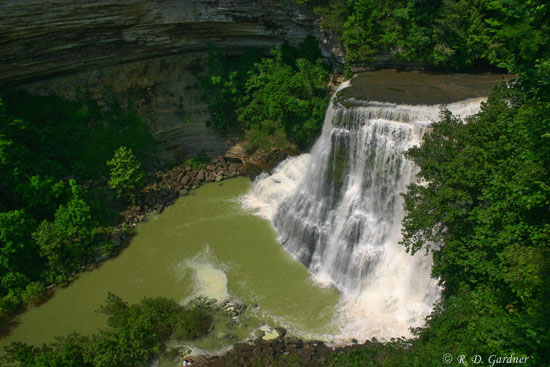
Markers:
(282, 351)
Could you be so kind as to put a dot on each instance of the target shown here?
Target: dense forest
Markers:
(459, 35)
(68, 168)
(58, 207)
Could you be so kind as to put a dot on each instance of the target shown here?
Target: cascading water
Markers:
(338, 210)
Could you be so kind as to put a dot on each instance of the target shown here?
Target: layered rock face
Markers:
(41, 39)
(144, 53)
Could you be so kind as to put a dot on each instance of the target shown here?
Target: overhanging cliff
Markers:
(41, 39)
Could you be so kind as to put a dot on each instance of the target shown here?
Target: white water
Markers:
(338, 210)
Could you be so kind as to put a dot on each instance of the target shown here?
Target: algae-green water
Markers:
(204, 244)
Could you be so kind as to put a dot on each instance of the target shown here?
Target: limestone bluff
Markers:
(41, 39)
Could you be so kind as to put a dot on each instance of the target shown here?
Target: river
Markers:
(204, 244)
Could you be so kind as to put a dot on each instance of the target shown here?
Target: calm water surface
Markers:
(204, 244)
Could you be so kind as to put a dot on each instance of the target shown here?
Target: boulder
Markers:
(185, 180)
(222, 162)
(254, 172)
(269, 333)
(281, 331)
(235, 153)
(259, 333)
(200, 176)
(219, 178)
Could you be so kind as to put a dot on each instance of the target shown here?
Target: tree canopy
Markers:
(453, 34)
(481, 206)
(49, 224)
(135, 335)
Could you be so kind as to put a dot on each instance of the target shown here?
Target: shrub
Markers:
(33, 293)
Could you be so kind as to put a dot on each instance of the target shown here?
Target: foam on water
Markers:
(209, 279)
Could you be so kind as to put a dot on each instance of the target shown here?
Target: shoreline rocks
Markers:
(277, 352)
(177, 182)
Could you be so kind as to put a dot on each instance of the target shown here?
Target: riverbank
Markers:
(205, 244)
(282, 351)
(165, 187)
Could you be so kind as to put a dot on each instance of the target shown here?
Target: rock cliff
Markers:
(40, 39)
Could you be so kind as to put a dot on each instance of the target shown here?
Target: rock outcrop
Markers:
(41, 39)
(146, 54)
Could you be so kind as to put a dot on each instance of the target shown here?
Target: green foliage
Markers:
(33, 293)
(17, 248)
(58, 138)
(276, 100)
(41, 195)
(223, 85)
(135, 335)
(393, 353)
(483, 195)
(199, 161)
(279, 98)
(126, 174)
(48, 224)
(107, 248)
(65, 242)
(196, 319)
(333, 13)
(9, 303)
(65, 352)
(457, 34)
(194, 323)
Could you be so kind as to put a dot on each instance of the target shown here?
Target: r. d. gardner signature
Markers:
(491, 360)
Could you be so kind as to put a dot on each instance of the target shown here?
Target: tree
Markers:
(41, 195)
(66, 241)
(280, 99)
(483, 195)
(137, 332)
(16, 248)
(126, 174)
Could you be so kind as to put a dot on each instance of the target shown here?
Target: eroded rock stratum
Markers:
(41, 39)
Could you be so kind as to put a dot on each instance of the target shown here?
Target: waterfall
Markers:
(338, 210)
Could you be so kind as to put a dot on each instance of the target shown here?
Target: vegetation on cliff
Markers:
(275, 100)
(457, 34)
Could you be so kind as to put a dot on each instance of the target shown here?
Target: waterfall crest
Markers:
(338, 210)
